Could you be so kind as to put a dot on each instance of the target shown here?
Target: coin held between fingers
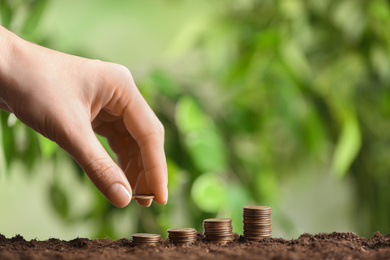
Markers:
(142, 196)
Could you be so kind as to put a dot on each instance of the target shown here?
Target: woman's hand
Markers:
(68, 99)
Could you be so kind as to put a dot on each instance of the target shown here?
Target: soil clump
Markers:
(321, 246)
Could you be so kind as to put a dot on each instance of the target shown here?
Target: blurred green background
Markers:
(281, 103)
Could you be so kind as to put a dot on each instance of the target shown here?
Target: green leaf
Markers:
(174, 176)
(59, 200)
(26, 144)
(207, 150)
(165, 84)
(107, 147)
(34, 15)
(8, 138)
(3, 163)
(187, 36)
(238, 196)
(48, 147)
(347, 147)
(205, 145)
(6, 13)
(189, 116)
(380, 10)
(209, 192)
(348, 16)
(296, 61)
(267, 186)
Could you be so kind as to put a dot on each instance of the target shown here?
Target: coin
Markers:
(142, 196)
(219, 220)
(254, 224)
(223, 229)
(142, 239)
(259, 208)
(265, 232)
(181, 230)
(182, 236)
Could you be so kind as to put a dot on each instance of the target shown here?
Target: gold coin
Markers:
(146, 235)
(256, 223)
(222, 220)
(252, 207)
(181, 230)
(218, 229)
(142, 196)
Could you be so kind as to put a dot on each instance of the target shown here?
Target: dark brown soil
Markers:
(321, 246)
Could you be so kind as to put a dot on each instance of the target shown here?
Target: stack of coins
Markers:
(145, 239)
(182, 236)
(218, 230)
(257, 222)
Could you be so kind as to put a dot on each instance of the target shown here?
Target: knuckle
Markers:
(156, 135)
(123, 73)
(120, 74)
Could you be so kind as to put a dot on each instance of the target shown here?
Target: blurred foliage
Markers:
(266, 89)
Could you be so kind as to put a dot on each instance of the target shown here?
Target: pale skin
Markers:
(68, 99)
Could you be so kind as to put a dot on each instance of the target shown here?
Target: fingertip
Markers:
(163, 200)
(144, 203)
(158, 186)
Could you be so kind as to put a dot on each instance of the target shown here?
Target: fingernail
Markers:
(118, 195)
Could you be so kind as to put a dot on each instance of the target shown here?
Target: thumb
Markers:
(105, 174)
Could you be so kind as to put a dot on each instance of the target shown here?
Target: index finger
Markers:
(148, 132)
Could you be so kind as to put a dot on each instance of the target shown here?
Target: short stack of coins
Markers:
(182, 236)
(218, 230)
(257, 222)
(145, 239)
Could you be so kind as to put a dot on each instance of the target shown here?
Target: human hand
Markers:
(68, 98)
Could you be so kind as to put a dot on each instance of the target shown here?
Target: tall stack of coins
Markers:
(182, 236)
(218, 230)
(145, 239)
(257, 222)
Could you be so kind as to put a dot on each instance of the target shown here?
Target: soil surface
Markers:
(321, 246)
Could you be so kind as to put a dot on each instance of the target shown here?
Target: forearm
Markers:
(8, 49)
